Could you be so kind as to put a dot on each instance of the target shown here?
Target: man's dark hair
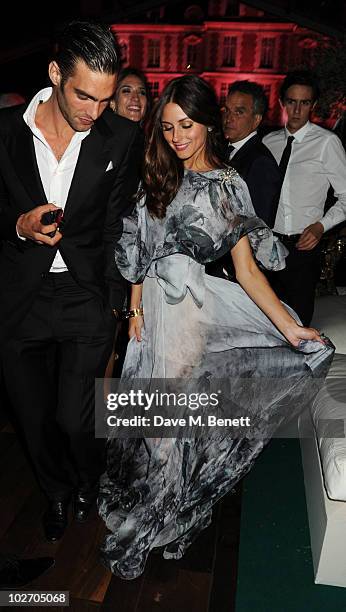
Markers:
(300, 77)
(93, 43)
(260, 100)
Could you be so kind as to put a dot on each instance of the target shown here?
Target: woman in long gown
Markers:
(159, 492)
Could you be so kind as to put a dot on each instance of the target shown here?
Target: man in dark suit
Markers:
(61, 292)
(243, 112)
(245, 107)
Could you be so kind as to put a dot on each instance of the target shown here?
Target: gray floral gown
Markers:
(159, 492)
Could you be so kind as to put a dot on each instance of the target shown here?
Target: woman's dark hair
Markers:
(163, 170)
(129, 71)
(93, 43)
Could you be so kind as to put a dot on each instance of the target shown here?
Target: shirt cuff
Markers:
(19, 236)
(327, 224)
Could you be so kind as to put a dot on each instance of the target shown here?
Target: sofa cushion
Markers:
(330, 318)
(330, 405)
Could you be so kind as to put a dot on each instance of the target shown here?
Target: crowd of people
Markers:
(201, 219)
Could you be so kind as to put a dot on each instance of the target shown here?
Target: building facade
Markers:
(221, 40)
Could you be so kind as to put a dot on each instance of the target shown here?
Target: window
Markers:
(154, 87)
(191, 56)
(229, 51)
(154, 53)
(191, 46)
(307, 51)
(223, 93)
(267, 53)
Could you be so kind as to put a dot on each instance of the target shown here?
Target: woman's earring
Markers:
(210, 129)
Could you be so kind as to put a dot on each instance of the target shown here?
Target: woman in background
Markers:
(131, 100)
(132, 95)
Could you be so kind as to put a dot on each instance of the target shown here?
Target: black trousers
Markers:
(50, 367)
(296, 284)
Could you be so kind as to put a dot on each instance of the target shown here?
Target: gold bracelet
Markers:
(134, 312)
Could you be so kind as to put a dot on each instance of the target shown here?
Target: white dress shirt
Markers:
(238, 145)
(56, 176)
(317, 161)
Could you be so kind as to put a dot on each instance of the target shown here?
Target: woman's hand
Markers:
(136, 322)
(135, 327)
(295, 333)
(258, 289)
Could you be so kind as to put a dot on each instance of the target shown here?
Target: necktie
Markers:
(231, 148)
(285, 156)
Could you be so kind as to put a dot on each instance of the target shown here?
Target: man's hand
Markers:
(310, 237)
(29, 226)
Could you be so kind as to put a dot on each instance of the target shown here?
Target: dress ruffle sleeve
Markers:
(136, 247)
(211, 212)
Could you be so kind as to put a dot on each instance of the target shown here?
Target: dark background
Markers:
(27, 33)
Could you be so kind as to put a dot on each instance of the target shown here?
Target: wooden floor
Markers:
(204, 581)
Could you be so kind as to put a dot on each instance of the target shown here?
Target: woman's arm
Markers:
(136, 323)
(259, 290)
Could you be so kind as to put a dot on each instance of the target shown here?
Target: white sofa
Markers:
(324, 457)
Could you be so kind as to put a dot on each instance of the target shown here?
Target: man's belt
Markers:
(288, 238)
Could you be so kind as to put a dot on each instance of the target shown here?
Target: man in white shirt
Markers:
(61, 291)
(311, 159)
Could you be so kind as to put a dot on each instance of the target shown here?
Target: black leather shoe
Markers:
(15, 573)
(83, 504)
(55, 520)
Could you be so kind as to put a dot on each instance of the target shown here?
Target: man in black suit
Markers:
(245, 107)
(243, 112)
(61, 291)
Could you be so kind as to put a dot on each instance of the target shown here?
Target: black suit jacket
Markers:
(257, 166)
(96, 202)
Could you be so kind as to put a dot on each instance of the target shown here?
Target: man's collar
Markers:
(299, 134)
(29, 116)
(42, 96)
(237, 145)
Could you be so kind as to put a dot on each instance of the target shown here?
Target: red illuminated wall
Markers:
(248, 46)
